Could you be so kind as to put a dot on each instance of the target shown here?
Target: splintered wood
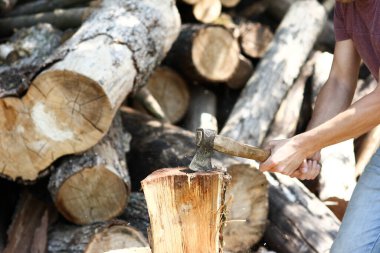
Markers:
(186, 210)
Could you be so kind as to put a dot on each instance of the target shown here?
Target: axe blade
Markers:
(202, 158)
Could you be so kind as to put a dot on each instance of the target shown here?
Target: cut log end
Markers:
(101, 195)
(207, 11)
(62, 113)
(230, 3)
(116, 237)
(215, 53)
(247, 208)
(188, 206)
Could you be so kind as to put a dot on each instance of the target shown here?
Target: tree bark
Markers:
(95, 185)
(94, 238)
(28, 230)
(254, 38)
(43, 6)
(70, 105)
(62, 19)
(205, 53)
(275, 74)
(202, 110)
(171, 92)
(23, 54)
(189, 207)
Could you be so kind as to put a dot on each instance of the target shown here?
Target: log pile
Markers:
(101, 99)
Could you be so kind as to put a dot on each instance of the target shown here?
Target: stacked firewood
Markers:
(97, 95)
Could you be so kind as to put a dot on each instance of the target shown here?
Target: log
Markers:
(206, 11)
(61, 18)
(298, 221)
(202, 110)
(94, 238)
(242, 74)
(367, 149)
(205, 53)
(190, 2)
(278, 9)
(131, 250)
(25, 52)
(43, 6)
(247, 208)
(171, 92)
(254, 38)
(7, 5)
(58, 115)
(136, 213)
(160, 145)
(230, 3)
(285, 122)
(147, 102)
(322, 67)
(189, 207)
(93, 186)
(28, 230)
(275, 74)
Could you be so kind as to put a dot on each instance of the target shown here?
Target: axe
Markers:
(207, 141)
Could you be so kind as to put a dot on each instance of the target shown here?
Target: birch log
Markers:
(70, 105)
(260, 99)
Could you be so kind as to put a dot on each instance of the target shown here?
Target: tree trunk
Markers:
(95, 185)
(189, 207)
(171, 92)
(205, 53)
(71, 104)
(254, 38)
(247, 208)
(62, 19)
(242, 74)
(43, 6)
(202, 110)
(94, 238)
(28, 230)
(275, 74)
(206, 11)
(285, 122)
(23, 54)
(298, 221)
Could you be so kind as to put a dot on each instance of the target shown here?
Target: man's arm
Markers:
(334, 98)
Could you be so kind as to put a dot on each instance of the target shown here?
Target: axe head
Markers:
(205, 148)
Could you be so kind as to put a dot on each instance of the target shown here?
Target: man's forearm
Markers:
(356, 120)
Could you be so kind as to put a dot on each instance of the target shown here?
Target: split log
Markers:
(25, 52)
(28, 230)
(206, 11)
(247, 208)
(70, 105)
(7, 5)
(95, 185)
(205, 53)
(170, 91)
(147, 102)
(285, 122)
(62, 19)
(275, 74)
(94, 238)
(254, 38)
(242, 74)
(278, 9)
(298, 221)
(171, 146)
(43, 6)
(202, 110)
(189, 207)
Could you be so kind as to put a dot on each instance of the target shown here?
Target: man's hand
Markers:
(290, 158)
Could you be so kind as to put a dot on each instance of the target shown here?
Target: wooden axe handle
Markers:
(231, 147)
